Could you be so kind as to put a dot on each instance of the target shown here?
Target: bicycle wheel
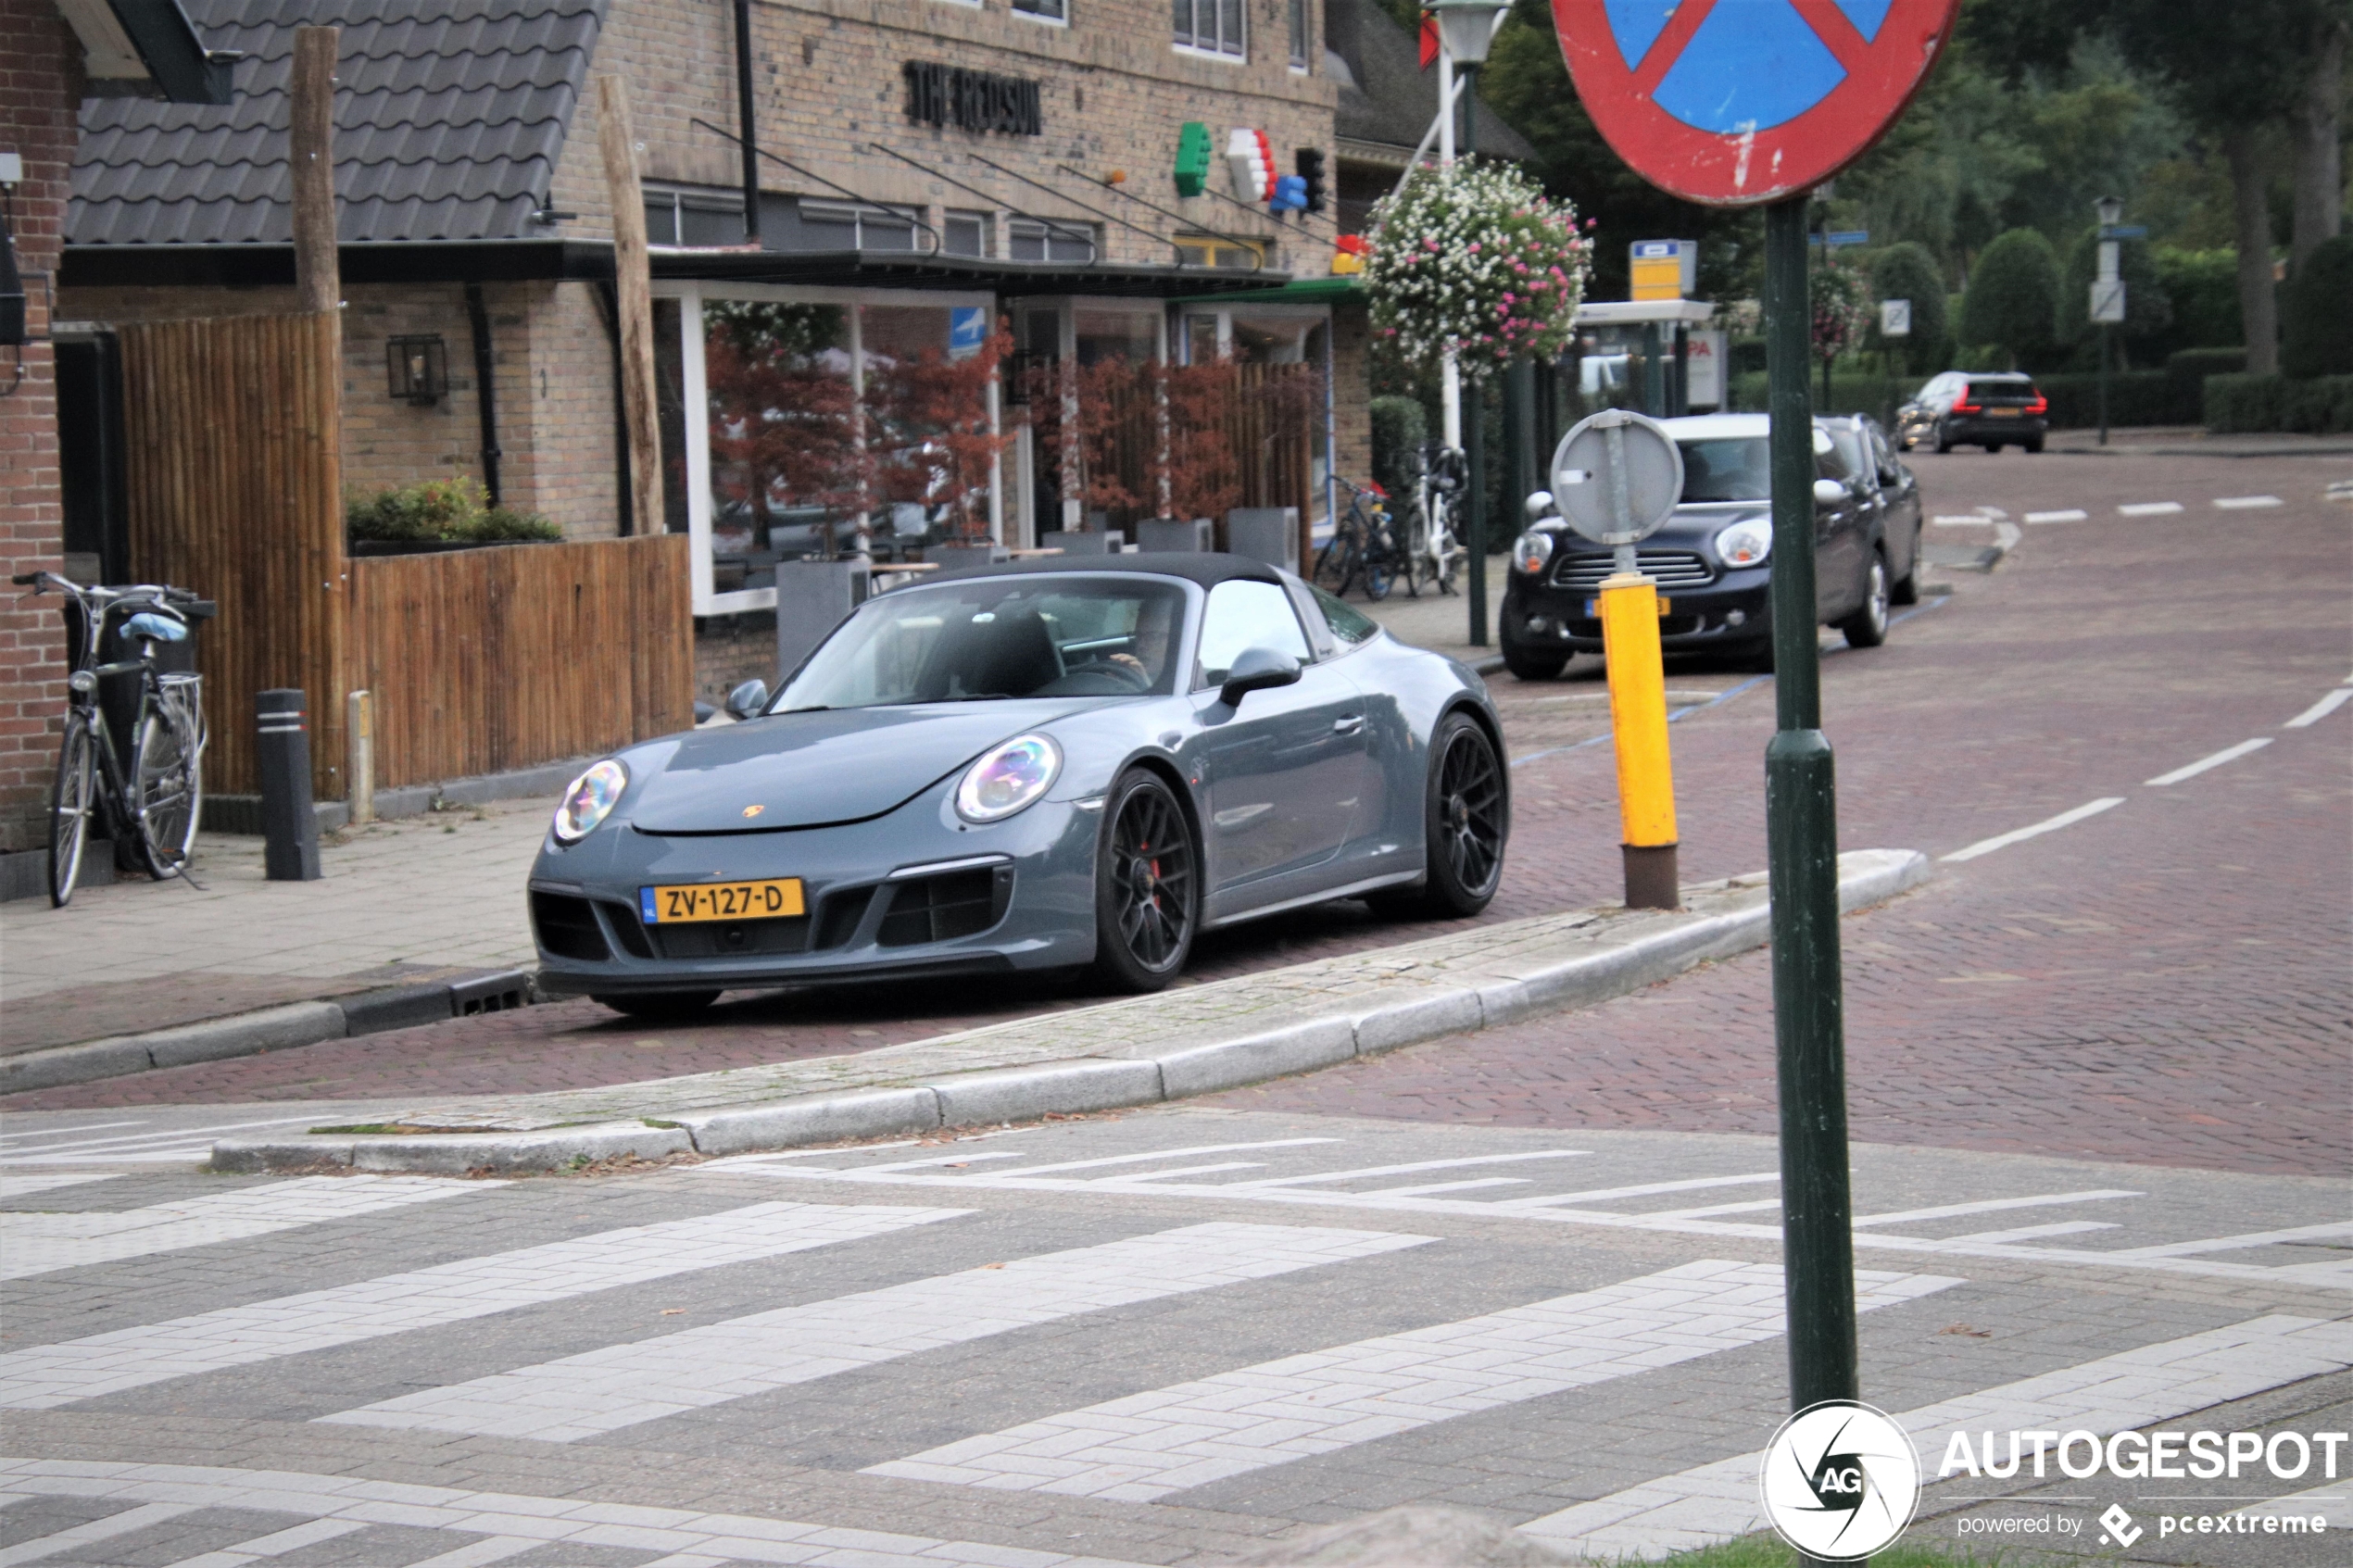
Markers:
(72, 799)
(1416, 565)
(169, 789)
(1377, 576)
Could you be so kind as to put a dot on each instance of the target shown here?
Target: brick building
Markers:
(840, 197)
(49, 67)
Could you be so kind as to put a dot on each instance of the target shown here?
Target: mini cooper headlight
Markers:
(1007, 778)
(1745, 543)
(590, 800)
(1531, 551)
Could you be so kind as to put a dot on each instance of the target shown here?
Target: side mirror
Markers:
(1831, 492)
(746, 700)
(1257, 670)
(1539, 504)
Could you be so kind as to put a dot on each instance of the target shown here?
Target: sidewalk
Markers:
(1442, 621)
(423, 898)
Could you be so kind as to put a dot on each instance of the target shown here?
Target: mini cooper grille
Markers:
(940, 908)
(567, 927)
(1669, 568)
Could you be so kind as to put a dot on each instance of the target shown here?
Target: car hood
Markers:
(811, 769)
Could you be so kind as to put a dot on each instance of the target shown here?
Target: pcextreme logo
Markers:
(1841, 1480)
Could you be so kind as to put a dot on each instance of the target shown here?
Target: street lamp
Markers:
(2111, 211)
(1465, 27)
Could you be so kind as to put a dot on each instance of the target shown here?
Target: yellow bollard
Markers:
(1637, 719)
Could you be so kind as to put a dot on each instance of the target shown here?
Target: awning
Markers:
(1251, 289)
(909, 269)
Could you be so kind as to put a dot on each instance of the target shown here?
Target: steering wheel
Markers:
(1134, 678)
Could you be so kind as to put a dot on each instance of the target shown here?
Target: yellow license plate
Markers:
(777, 899)
(2002, 413)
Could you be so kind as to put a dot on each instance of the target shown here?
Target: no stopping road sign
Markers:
(1735, 102)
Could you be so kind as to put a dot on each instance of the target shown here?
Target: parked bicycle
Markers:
(1363, 544)
(146, 786)
(1434, 552)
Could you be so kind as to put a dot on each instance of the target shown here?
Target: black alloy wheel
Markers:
(1466, 816)
(1533, 664)
(661, 1007)
(1147, 885)
(1907, 587)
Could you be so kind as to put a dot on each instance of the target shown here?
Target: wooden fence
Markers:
(234, 478)
(482, 661)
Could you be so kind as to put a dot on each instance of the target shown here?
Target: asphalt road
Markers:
(2099, 1081)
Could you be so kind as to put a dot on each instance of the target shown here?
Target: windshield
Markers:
(1729, 468)
(996, 637)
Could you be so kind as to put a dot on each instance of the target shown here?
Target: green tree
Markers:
(2012, 300)
(2317, 325)
(2203, 287)
(2148, 311)
(1909, 271)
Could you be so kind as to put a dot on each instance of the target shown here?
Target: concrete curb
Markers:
(1076, 1085)
(271, 1029)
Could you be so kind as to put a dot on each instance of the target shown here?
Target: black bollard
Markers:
(289, 826)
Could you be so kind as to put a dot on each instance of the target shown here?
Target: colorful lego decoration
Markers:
(1192, 159)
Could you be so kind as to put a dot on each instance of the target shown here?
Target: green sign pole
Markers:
(1801, 817)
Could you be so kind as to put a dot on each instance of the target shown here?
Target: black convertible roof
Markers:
(1207, 569)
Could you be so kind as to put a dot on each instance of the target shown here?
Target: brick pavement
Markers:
(2165, 983)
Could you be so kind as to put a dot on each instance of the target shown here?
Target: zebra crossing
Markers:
(1096, 1317)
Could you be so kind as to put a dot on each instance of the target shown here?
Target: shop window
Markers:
(1214, 27)
(964, 234)
(1058, 241)
(1044, 10)
(1205, 250)
(694, 218)
(1297, 34)
(1116, 334)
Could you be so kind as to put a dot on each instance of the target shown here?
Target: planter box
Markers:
(1167, 534)
(812, 597)
(1071, 544)
(1267, 534)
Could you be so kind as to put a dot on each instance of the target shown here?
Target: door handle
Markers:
(1349, 725)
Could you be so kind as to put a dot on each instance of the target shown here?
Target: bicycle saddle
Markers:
(160, 628)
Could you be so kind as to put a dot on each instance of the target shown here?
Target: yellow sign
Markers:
(1659, 278)
(778, 898)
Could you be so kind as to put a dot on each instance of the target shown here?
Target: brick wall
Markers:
(1352, 383)
(40, 90)
(553, 390)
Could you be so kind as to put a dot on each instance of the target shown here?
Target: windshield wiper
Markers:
(812, 707)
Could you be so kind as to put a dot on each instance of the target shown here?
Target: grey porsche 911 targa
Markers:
(1035, 766)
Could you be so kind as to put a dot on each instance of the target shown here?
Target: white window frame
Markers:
(1239, 54)
(695, 390)
(1302, 34)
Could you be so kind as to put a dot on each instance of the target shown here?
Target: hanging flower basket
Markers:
(1479, 257)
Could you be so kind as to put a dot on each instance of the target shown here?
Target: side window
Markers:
(1349, 625)
(1241, 616)
(1890, 475)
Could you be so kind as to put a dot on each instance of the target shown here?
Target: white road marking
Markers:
(72, 1130)
(25, 1186)
(2048, 825)
(34, 1243)
(1149, 1445)
(2328, 1498)
(1755, 1207)
(2150, 509)
(170, 1142)
(2228, 754)
(173, 1489)
(1413, 1168)
(2247, 503)
(105, 1529)
(1184, 1153)
(1645, 1189)
(1139, 1176)
(1453, 1186)
(2320, 709)
(1996, 513)
(1559, 1208)
(2071, 515)
(276, 1544)
(45, 1377)
(2252, 1238)
(617, 1385)
(1711, 1503)
(486, 1550)
(1992, 1206)
(1962, 522)
(2029, 1232)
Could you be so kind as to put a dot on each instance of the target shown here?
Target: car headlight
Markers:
(1008, 778)
(590, 800)
(1746, 543)
(1531, 551)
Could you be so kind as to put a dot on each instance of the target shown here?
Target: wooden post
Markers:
(633, 292)
(311, 149)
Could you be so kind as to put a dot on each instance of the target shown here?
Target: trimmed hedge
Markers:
(2135, 397)
(2318, 406)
